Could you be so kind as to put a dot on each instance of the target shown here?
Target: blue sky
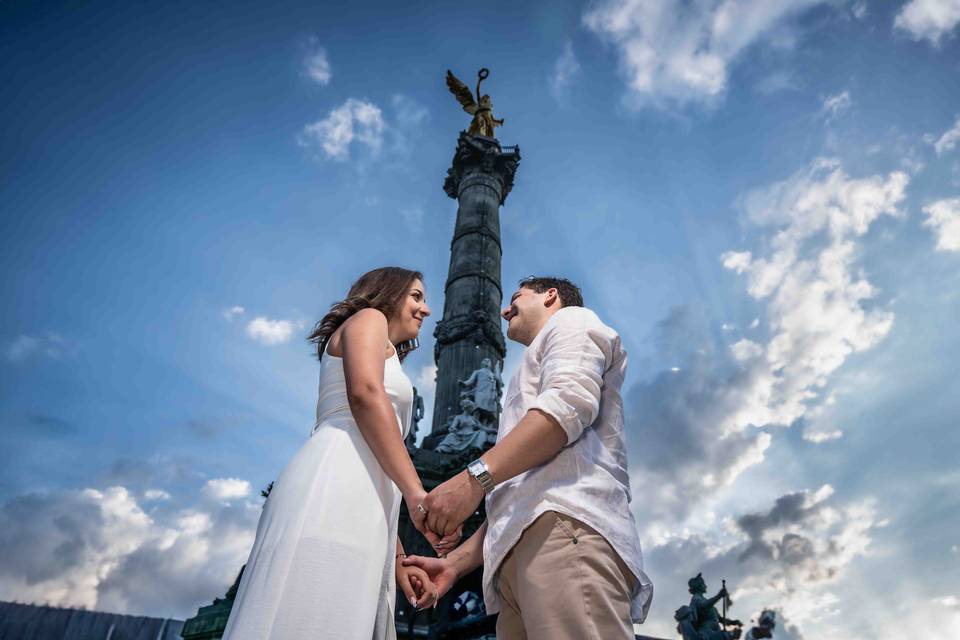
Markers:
(762, 197)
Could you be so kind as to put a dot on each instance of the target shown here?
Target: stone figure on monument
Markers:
(764, 627)
(466, 430)
(415, 418)
(484, 387)
(700, 620)
(481, 109)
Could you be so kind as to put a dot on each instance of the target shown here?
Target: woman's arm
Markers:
(364, 340)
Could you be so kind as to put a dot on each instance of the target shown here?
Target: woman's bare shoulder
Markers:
(367, 318)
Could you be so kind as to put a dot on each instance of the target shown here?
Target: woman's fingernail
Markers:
(413, 601)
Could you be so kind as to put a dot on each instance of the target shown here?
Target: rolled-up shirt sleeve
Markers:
(574, 357)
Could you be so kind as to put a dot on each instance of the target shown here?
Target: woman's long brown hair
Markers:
(384, 289)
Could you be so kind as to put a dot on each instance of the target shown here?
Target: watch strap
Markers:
(478, 469)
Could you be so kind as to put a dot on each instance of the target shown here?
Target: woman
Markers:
(326, 551)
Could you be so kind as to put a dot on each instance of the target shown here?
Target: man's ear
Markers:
(553, 297)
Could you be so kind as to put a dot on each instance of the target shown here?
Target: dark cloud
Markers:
(203, 429)
(156, 470)
(50, 426)
(680, 451)
(47, 535)
(785, 554)
(164, 580)
(100, 549)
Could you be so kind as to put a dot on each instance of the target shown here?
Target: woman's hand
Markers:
(440, 571)
(416, 585)
(448, 542)
(418, 515)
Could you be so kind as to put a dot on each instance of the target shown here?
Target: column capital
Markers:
(480, 161)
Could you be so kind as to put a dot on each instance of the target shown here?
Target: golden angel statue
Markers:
(481, 109)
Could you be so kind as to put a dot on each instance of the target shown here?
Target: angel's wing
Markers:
(462, 93)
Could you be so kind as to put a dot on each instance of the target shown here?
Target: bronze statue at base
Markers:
(700, 620)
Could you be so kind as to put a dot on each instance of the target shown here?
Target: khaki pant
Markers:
(563, 580)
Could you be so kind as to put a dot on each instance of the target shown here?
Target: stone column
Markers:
(480, 179)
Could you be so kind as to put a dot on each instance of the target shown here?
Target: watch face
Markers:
(475, 468)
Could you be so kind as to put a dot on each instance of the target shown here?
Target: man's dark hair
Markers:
(570, 295)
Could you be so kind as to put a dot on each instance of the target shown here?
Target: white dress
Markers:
(322, 564)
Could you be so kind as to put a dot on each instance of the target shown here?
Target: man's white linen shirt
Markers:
(572, 370)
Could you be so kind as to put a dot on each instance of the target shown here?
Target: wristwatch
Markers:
(478, 469)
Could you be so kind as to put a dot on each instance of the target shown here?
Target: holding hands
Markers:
(451, 503)
(419, 589)
(416, 507)
(440, 515)
(441, 572)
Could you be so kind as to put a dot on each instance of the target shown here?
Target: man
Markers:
(560, 549)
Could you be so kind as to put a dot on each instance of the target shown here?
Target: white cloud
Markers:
(673, 52)
(746, 350)
(226, 489)
(316, 65)
(24, 347)
(564, 70)
(269, 331)
(233, 312)
(427, 378)
(928, 19)
(835, 105)
(409, 112)
(948, 601)
(715, 411)
(155, 495)
(355, 121)
(777, 81)
(943, 216)
(815, 310)
(859, 10)
(948, 140)
(739, 261)
(819, 437)
(413, 216)
(426, 385)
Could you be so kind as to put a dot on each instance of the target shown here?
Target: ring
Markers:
(421, 509)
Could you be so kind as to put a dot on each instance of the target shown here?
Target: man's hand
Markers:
(451, 503)
(441, 571)
(418, 515)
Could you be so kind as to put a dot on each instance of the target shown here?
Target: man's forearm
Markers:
(535, 440)
(469, 555)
